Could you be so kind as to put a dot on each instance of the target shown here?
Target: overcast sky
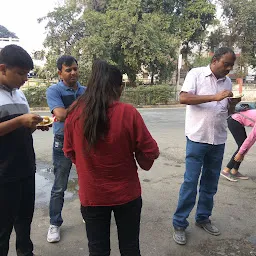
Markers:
(20, 17)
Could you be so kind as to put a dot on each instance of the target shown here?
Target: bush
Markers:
(36, 95)
(141, 95)
(150, 95)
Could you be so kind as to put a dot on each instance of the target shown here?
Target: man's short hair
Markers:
(222, 51)
(66, 60)
(15, 56)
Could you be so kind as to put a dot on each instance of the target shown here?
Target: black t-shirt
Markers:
(17, 156)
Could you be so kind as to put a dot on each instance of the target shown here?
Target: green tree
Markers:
(128, 33)
(194, 19)
(240, 19)
(118, 31)
(5, 33)
(200, 61)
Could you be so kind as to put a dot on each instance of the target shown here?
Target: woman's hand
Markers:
(238, 157)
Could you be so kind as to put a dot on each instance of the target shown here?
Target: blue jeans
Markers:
(204, 159)
(62, 166)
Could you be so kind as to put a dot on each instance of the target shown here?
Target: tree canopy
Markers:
(128, 33)
(5, 33)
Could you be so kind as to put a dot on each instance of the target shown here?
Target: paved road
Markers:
(234, 210)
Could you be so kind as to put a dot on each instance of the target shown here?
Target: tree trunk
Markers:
(152, 78)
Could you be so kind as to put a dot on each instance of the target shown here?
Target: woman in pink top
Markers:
(236, 124)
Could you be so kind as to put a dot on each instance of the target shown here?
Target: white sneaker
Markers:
(53, 235)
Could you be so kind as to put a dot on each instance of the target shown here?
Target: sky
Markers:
(20, 17)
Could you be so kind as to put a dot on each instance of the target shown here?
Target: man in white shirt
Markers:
(206, 92)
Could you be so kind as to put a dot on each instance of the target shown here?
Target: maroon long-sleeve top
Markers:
(107, 174)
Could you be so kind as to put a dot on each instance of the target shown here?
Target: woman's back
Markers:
(108, 172)
(246, 118)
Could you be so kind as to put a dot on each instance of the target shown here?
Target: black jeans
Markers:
(127, 218)
(17, 201)
(239, 134)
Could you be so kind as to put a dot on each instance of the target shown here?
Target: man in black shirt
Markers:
(17, 157)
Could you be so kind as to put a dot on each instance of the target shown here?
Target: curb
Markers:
(36, 109)
(46, 109)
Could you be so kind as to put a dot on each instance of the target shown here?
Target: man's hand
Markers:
(43, 128)
(234, 101)
(30, 120)
(238, 157)
(232, 104)
(222, 95)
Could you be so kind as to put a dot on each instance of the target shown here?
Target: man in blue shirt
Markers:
(59, 97)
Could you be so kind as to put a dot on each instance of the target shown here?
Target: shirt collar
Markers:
(8, 89)
(69, 89)
(208, 72)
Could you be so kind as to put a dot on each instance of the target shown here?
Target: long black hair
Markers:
(104, 87)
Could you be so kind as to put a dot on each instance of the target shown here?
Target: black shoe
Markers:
(209, 228)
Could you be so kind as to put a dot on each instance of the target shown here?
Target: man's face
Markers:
(69, 74)
(13, 77)
(223, 66)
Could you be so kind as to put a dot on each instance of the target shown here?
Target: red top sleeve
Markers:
(146, 147)
(68, 141)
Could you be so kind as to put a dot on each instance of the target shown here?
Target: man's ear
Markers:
(59, 73)
(3, 69)
(214, 60)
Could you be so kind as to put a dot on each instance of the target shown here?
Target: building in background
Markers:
(7, 41)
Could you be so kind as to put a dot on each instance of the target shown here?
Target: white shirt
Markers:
(206, 122)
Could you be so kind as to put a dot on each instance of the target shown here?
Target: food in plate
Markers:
(237, 96)
(46, 121)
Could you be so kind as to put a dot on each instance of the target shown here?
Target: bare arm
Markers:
(27, 120)
(192, 99)
(60, 114)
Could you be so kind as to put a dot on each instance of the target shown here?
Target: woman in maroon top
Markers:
(103, 137)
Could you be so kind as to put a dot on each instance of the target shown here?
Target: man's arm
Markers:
(27, 120)
(55, 103)
(60, 114)
(192, 99)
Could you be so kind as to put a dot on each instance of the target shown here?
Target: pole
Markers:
(178, 73)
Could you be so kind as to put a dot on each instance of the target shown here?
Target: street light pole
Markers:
(178, 73)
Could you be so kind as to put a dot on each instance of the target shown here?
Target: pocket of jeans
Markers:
(58, 143)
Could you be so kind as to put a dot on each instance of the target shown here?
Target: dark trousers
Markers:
(17, 201)
(239, 134)
(127, 218)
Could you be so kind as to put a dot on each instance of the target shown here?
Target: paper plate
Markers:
(48, 123)
(237, 96)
